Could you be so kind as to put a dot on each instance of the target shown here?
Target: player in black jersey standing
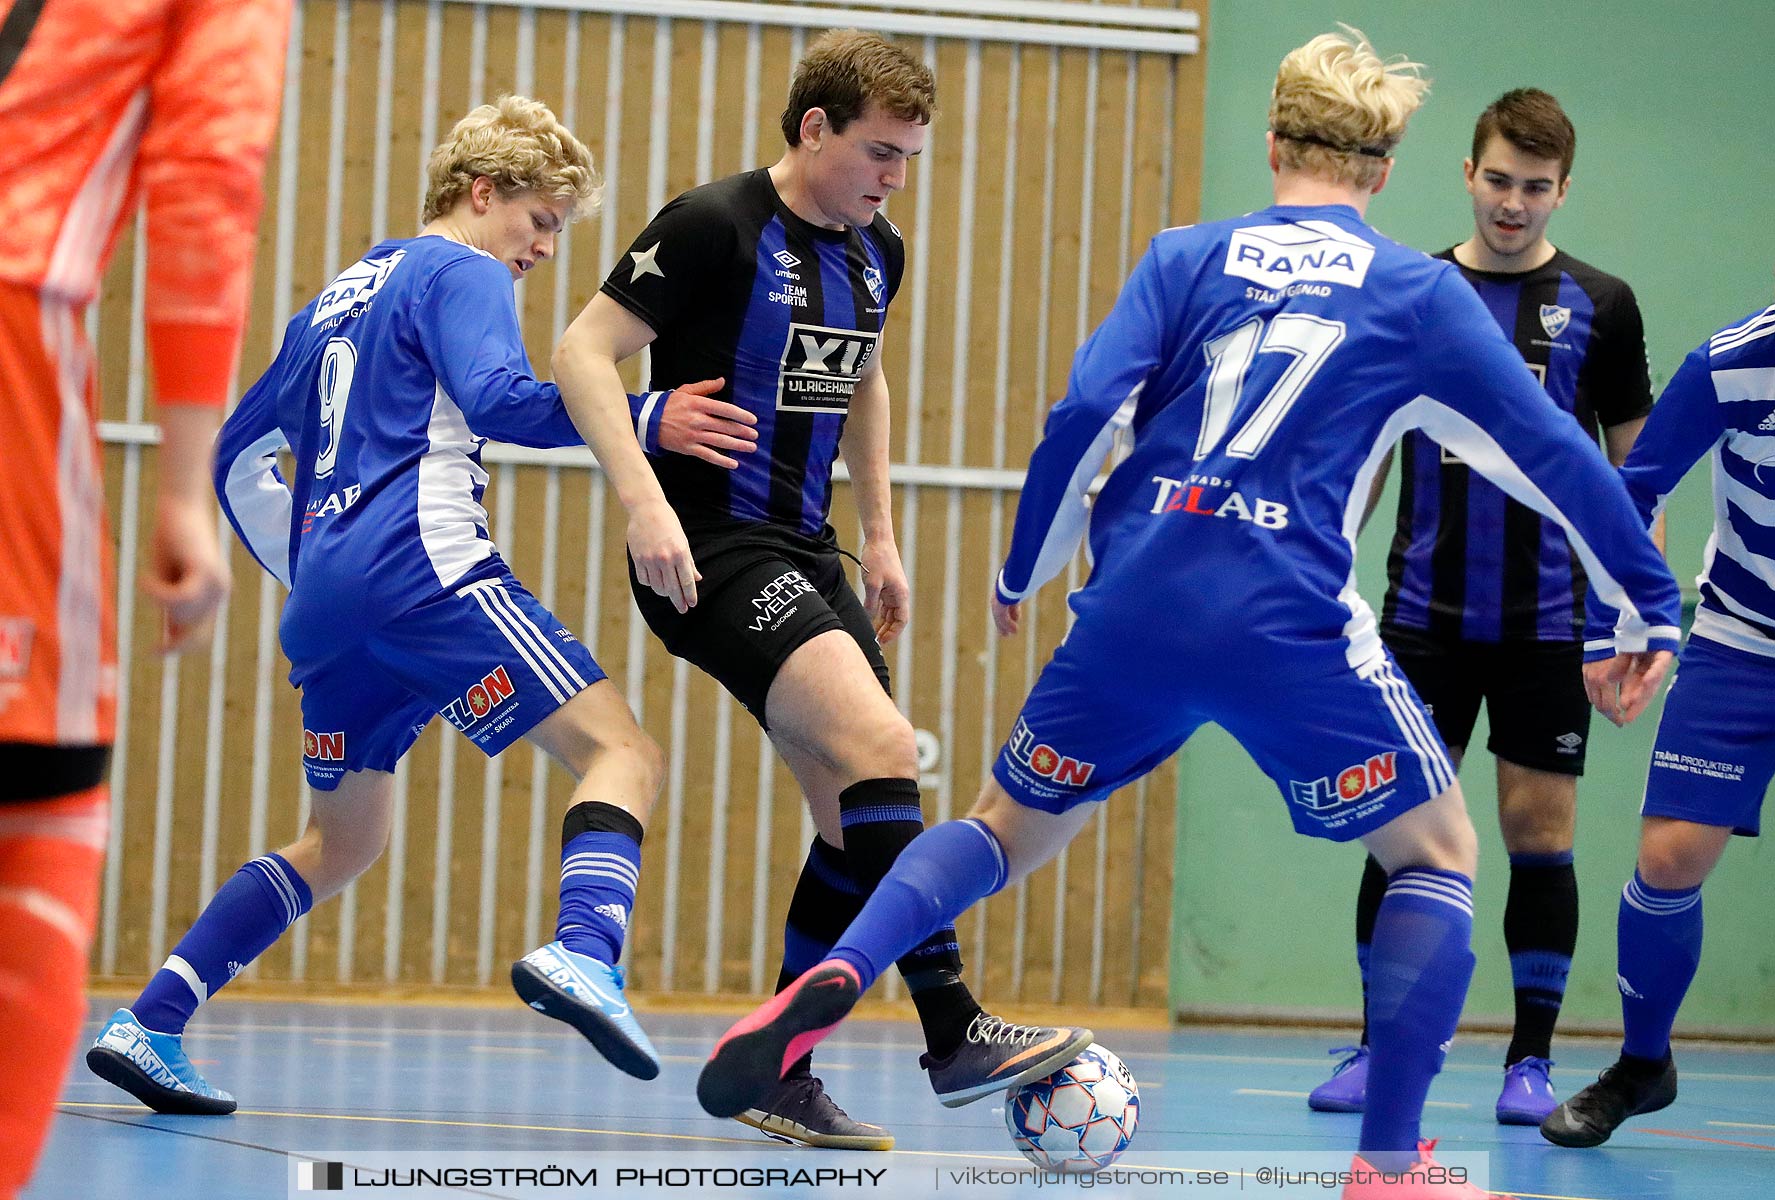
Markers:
(774, 284)
(1485, 599)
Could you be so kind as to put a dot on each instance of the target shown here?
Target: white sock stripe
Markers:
(1456, 884)
(188, 973)
(479, 594)
(1657, 906)
(611, 863)
(992, 842)
(597, 856)
(52, 911)
(1428, 894)
(285, 889)
(527, 628)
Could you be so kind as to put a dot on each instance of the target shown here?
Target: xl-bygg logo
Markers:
(354, 285)
(320, 1176)
(323, 747)
(820, 367)
(1041, 758)
(1306, 251)
(1352, 783)
(1211, 496)
(494, 689)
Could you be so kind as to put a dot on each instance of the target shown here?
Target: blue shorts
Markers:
(1715, 752)
(486, 655)
(1350, 749)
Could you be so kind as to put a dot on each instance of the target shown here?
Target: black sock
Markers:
(825, 902)
(1368, 907)
(1541, 931)
(880, 818)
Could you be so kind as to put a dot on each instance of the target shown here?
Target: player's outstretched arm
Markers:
(584, 363)
(887, 597)
(690, 420)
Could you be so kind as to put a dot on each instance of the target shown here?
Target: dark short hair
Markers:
(1533, 122)
(844, 69)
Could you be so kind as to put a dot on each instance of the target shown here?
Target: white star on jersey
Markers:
(645, 263)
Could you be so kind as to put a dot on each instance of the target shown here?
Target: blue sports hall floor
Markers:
(366, 1078)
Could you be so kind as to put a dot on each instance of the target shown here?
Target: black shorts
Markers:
(1533, 693)
(765, 591)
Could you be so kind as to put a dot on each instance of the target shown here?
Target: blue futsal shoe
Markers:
(1527, 1098)
(153, 1068)
(588, 995)
(1347, 1089)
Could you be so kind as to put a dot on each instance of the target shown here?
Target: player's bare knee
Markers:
(883, 747)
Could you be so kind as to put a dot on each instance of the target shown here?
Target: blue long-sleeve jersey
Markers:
(1720, 401)
(1262, 367)
(386, 387)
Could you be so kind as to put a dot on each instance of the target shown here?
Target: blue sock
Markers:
(1421, 964)
(599, 871)
(246, 915)
(946, 869)
(1657, 948)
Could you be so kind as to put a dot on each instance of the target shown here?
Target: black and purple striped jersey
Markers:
(737, 286)
(1468, 562)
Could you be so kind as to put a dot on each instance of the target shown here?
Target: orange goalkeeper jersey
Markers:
(171, 100)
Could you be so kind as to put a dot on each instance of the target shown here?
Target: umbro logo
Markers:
(1627, 988)
(1569, 742)
(787, 259)
(1768, 424)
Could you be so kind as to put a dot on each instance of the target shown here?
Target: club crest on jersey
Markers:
(876, 284)
(1042, 759)
(1304, 252)
(494, 689)
(354, 286)
(323, 747)
(1554, 319)
(820, 367)
(1328, 798)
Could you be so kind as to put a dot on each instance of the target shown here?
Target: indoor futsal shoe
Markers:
(1626, 1089)
(1347, 1089)
(749, 1060)
(1527, 1098)
(1422, 1180)
(588, 995)
(153, 1068)
(800, 1112)
(997, 1055)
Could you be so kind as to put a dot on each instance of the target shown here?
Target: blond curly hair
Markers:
(1338, 110)
(522, 147)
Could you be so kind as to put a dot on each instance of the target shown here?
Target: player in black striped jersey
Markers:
(773, 287)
